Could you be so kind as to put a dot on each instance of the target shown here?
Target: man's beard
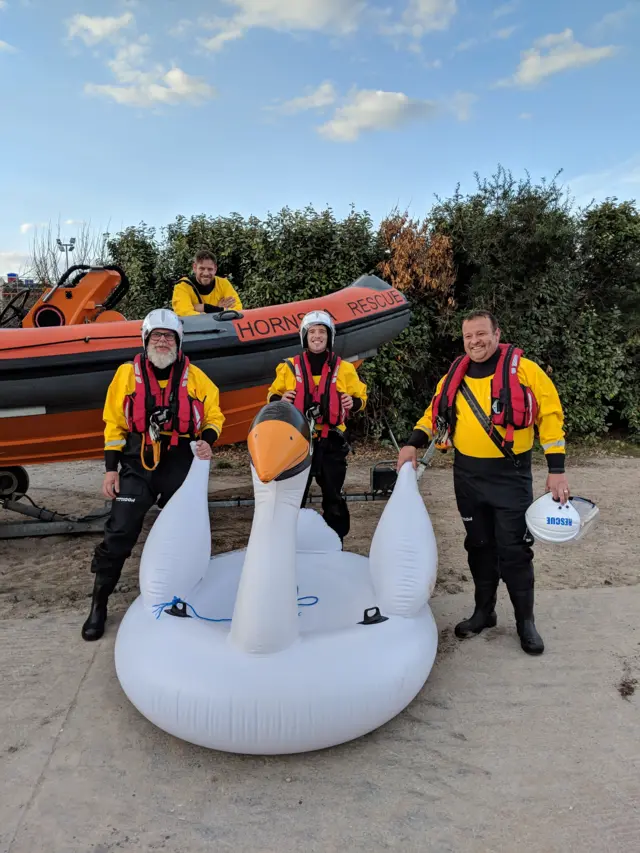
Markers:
(161, 359)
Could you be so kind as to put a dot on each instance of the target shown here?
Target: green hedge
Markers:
(564, 283)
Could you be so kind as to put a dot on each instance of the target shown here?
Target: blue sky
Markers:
(121, 111)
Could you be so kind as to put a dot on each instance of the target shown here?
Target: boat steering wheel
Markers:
(14, 311)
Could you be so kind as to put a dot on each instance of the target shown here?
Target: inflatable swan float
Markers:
(291, 644)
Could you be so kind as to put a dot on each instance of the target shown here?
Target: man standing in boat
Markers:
(321, 384)
(204, 292)
(486, 407)
(154, 408)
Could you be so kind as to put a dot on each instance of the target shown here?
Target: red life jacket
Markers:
(325, 395)
(184, 415)
(513, 406)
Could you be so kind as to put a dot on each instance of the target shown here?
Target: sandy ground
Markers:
(52, 574)
(498, 752)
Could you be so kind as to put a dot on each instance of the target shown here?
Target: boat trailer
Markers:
(14, 487)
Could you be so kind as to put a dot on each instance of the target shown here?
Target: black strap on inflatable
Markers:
(486, 424)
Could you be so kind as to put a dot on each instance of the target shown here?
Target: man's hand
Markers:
(407, 454)
(226, 302)
(111, 484)
(289, 396)
(347, 402)
(203, 450)
(558, 485)
(199, 308)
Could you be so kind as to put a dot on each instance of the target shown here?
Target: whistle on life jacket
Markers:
(157, 421)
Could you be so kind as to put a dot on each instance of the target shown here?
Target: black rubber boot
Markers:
(93, 627)
(530, 640)
(484, 615)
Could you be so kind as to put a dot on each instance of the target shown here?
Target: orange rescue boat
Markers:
(58, 360)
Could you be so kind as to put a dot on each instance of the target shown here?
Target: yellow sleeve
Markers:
(425, 422)
(183, 300)
(116, 430)
(350, 383)
(550, 419)
(207, 391)
(227, 290)
(285, 381)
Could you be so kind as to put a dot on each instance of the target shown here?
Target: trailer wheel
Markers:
(13, 482)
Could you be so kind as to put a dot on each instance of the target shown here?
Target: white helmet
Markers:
(161, 318)
(550, 521)
(317, 318)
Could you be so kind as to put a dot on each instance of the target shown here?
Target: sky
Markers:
(116, 112)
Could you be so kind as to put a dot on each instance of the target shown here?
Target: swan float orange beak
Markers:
(279, 442)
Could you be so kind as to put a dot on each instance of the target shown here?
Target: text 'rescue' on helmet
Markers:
(161, 318)
(317, 318)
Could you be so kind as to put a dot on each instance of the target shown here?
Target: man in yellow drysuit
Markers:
(204, 292)
(486, 407)
(319, 383)
(154, 408)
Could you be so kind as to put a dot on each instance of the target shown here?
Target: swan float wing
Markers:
(403, 558)
(176, 554)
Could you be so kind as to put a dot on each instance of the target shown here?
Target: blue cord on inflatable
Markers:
(303, 601)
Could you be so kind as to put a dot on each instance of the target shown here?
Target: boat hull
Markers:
(53, 382)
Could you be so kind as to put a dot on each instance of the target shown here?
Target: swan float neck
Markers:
(265, 617)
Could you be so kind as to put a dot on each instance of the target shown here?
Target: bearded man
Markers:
(155, 407)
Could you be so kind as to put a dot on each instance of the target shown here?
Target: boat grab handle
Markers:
(229, 314)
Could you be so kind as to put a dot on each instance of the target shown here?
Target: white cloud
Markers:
(74, 222)
(93, 30)
(618, 19)
(526, 116)
(553, 54)
(29, 226)
(151, 87)
(504, 33)
(505, 9)
(3, 4)
(13, 262)
(323, 96)
(423, 16)
(460, 105)
(621, 180)
(467, 44)
(5, 47)
(181, 29)
(474, 41)
(368, 110)
(334, 16)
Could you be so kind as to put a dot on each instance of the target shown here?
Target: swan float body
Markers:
(291, 644)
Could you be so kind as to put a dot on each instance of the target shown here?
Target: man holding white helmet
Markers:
(326, 388)
(155, 406)
(486, 407)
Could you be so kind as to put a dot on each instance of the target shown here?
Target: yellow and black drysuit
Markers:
(330, 451)
(493, 486)
(144, 479)
(188, 292)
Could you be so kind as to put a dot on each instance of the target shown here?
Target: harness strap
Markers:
(495, 437)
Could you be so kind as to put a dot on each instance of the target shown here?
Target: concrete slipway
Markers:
(499, 752)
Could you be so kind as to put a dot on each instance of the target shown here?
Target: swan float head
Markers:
(279, 442)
